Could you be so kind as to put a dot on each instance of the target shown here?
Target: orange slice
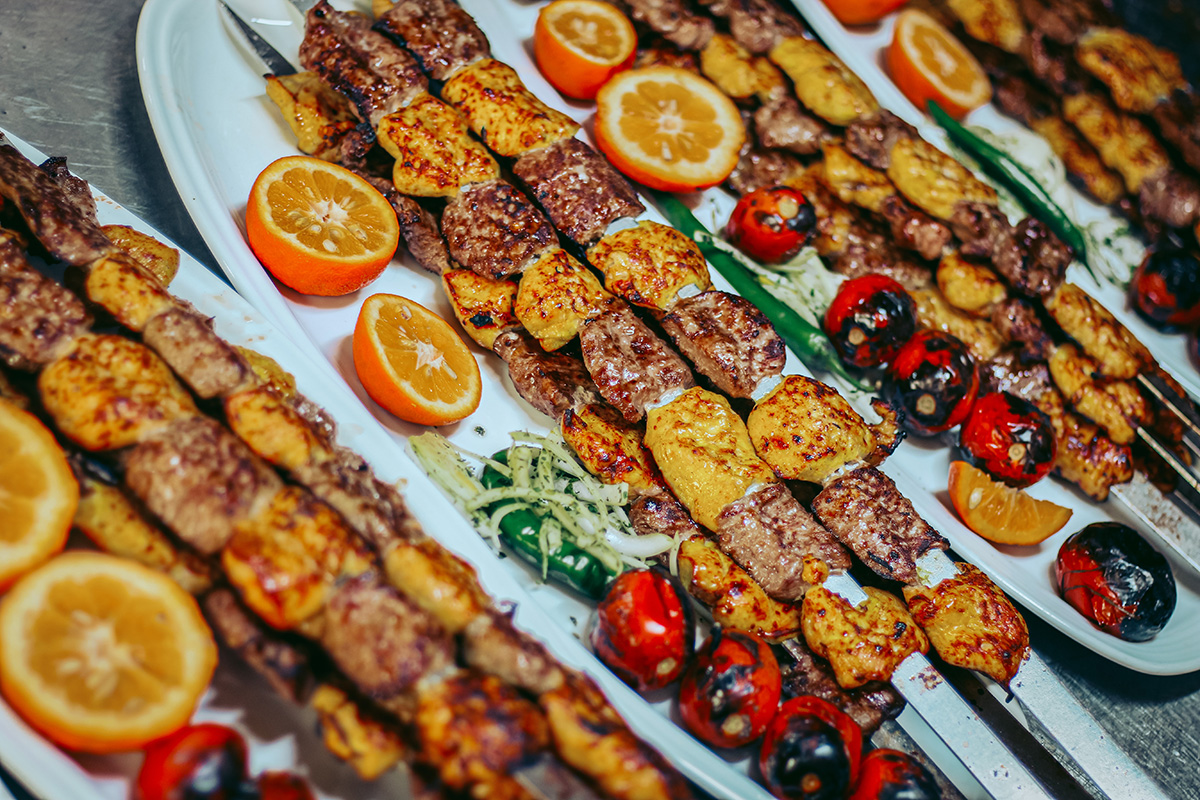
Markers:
(413, 363)
(668, 128)
(101, 654)
(1000, 513)
(862, 12)
(928, 63)
(319, 228)
(580, 44)
(38, 494)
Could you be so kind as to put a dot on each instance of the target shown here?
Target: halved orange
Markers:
(413, 363)
(580, 44)
(319, 228)
(668, 128)
(1000, 513)
(928, 63)
(102, 654)
(38, 494)
(862, 12)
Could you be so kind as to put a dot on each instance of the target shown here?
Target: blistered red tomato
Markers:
(644, 629)
(1166, 288)
(934, 380)
(1009, 438)
(1112, 576)
(894, 775)
(810, 750)
(870, 319)
(730, 692)
(199, 762)
(282, 786)
(771, 225)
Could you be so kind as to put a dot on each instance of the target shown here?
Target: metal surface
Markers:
(1163, 517)
(274, 60)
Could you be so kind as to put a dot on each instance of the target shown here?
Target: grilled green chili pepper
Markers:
(565, 563)
(807, 341)
(1004, 167)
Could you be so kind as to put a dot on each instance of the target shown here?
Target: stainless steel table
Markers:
(69, 85)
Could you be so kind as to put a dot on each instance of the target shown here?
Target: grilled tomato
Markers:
(1166, 288)
(811, 750)
(894, 775)
(1010, 438)
(1112, 576)
(771, 225)
(199, 762)
(870, 319)
(731, 690)
(644, 630)
(935, 380)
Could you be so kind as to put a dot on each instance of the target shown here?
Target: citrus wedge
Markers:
(668, 128)
(319, 228)
(928, 63)
(101, 654)
(413, 363)
(1000, 513)
(38, 494)
(580, 44)
(862, 12)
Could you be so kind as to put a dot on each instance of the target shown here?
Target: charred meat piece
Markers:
(443, 37)
(759, 168)
(728, 339)
(630, 365)
(869, 515)
(362, 736)
(871, 139)
(1054, 65)
(579, 190)
(913, 229)
(757, 25)
(200, 480)
(1178, 120)
(863, 643)
(380, 640)
(659, 512)
(615, 452)
(320, 118)
(495, 230)
(275, 656)
(75, 188)
(418, 227)
(1171, 197)
(980, 227)
(493, 645)
(1125, 143)
(673, 20)
(870, 705)
(782, 124)
(867, 252)
(1064, 20)
(185, 339)
(1098, 332)
(1017, 320)
(770, 535)
(1117, 406)
(39, 318)
(553, 383)
(62, 227)
(1031, 258)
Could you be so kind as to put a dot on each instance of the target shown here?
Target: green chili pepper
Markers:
(1004, 167)
(806, 340)
(565, 563)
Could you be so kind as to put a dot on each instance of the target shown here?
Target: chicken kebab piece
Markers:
(297, 564)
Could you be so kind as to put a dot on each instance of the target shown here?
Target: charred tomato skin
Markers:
(1009, 438)
(934, 380)
(771, 224)
(1166, 288)
(894, 775)
(870, 319)
(644, 630)
(810, 750)
(198, 762)
(730, 691)
(1112, 576)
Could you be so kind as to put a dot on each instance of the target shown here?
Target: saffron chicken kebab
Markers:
(293, 559)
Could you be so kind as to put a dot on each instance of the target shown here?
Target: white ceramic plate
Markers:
(239, 697)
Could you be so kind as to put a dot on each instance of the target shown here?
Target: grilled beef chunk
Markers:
(1171, 197)
(442, 36)
(75, 188)
(632, 368)
(673, 20)
(1178, 119)
(661, 513)
(979, 227)
(867, 252)
(200, 480)
(40, 316)
(1055, 66)
(781, 123)
(373, 73)
(913, 229)
(1009, 372)
(493, 229)
(770, 535)
(1064, 20)
(418, 227)
(866, 512)
(185, 339)
(1017, 321)
(757, 25)
(728, 339)
(381, 641)
(268, 652)
(579, 190)
(758, 168)
(492, 644)
(870, 705)
(871, 140)
(1031, 258)
(553, 383)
